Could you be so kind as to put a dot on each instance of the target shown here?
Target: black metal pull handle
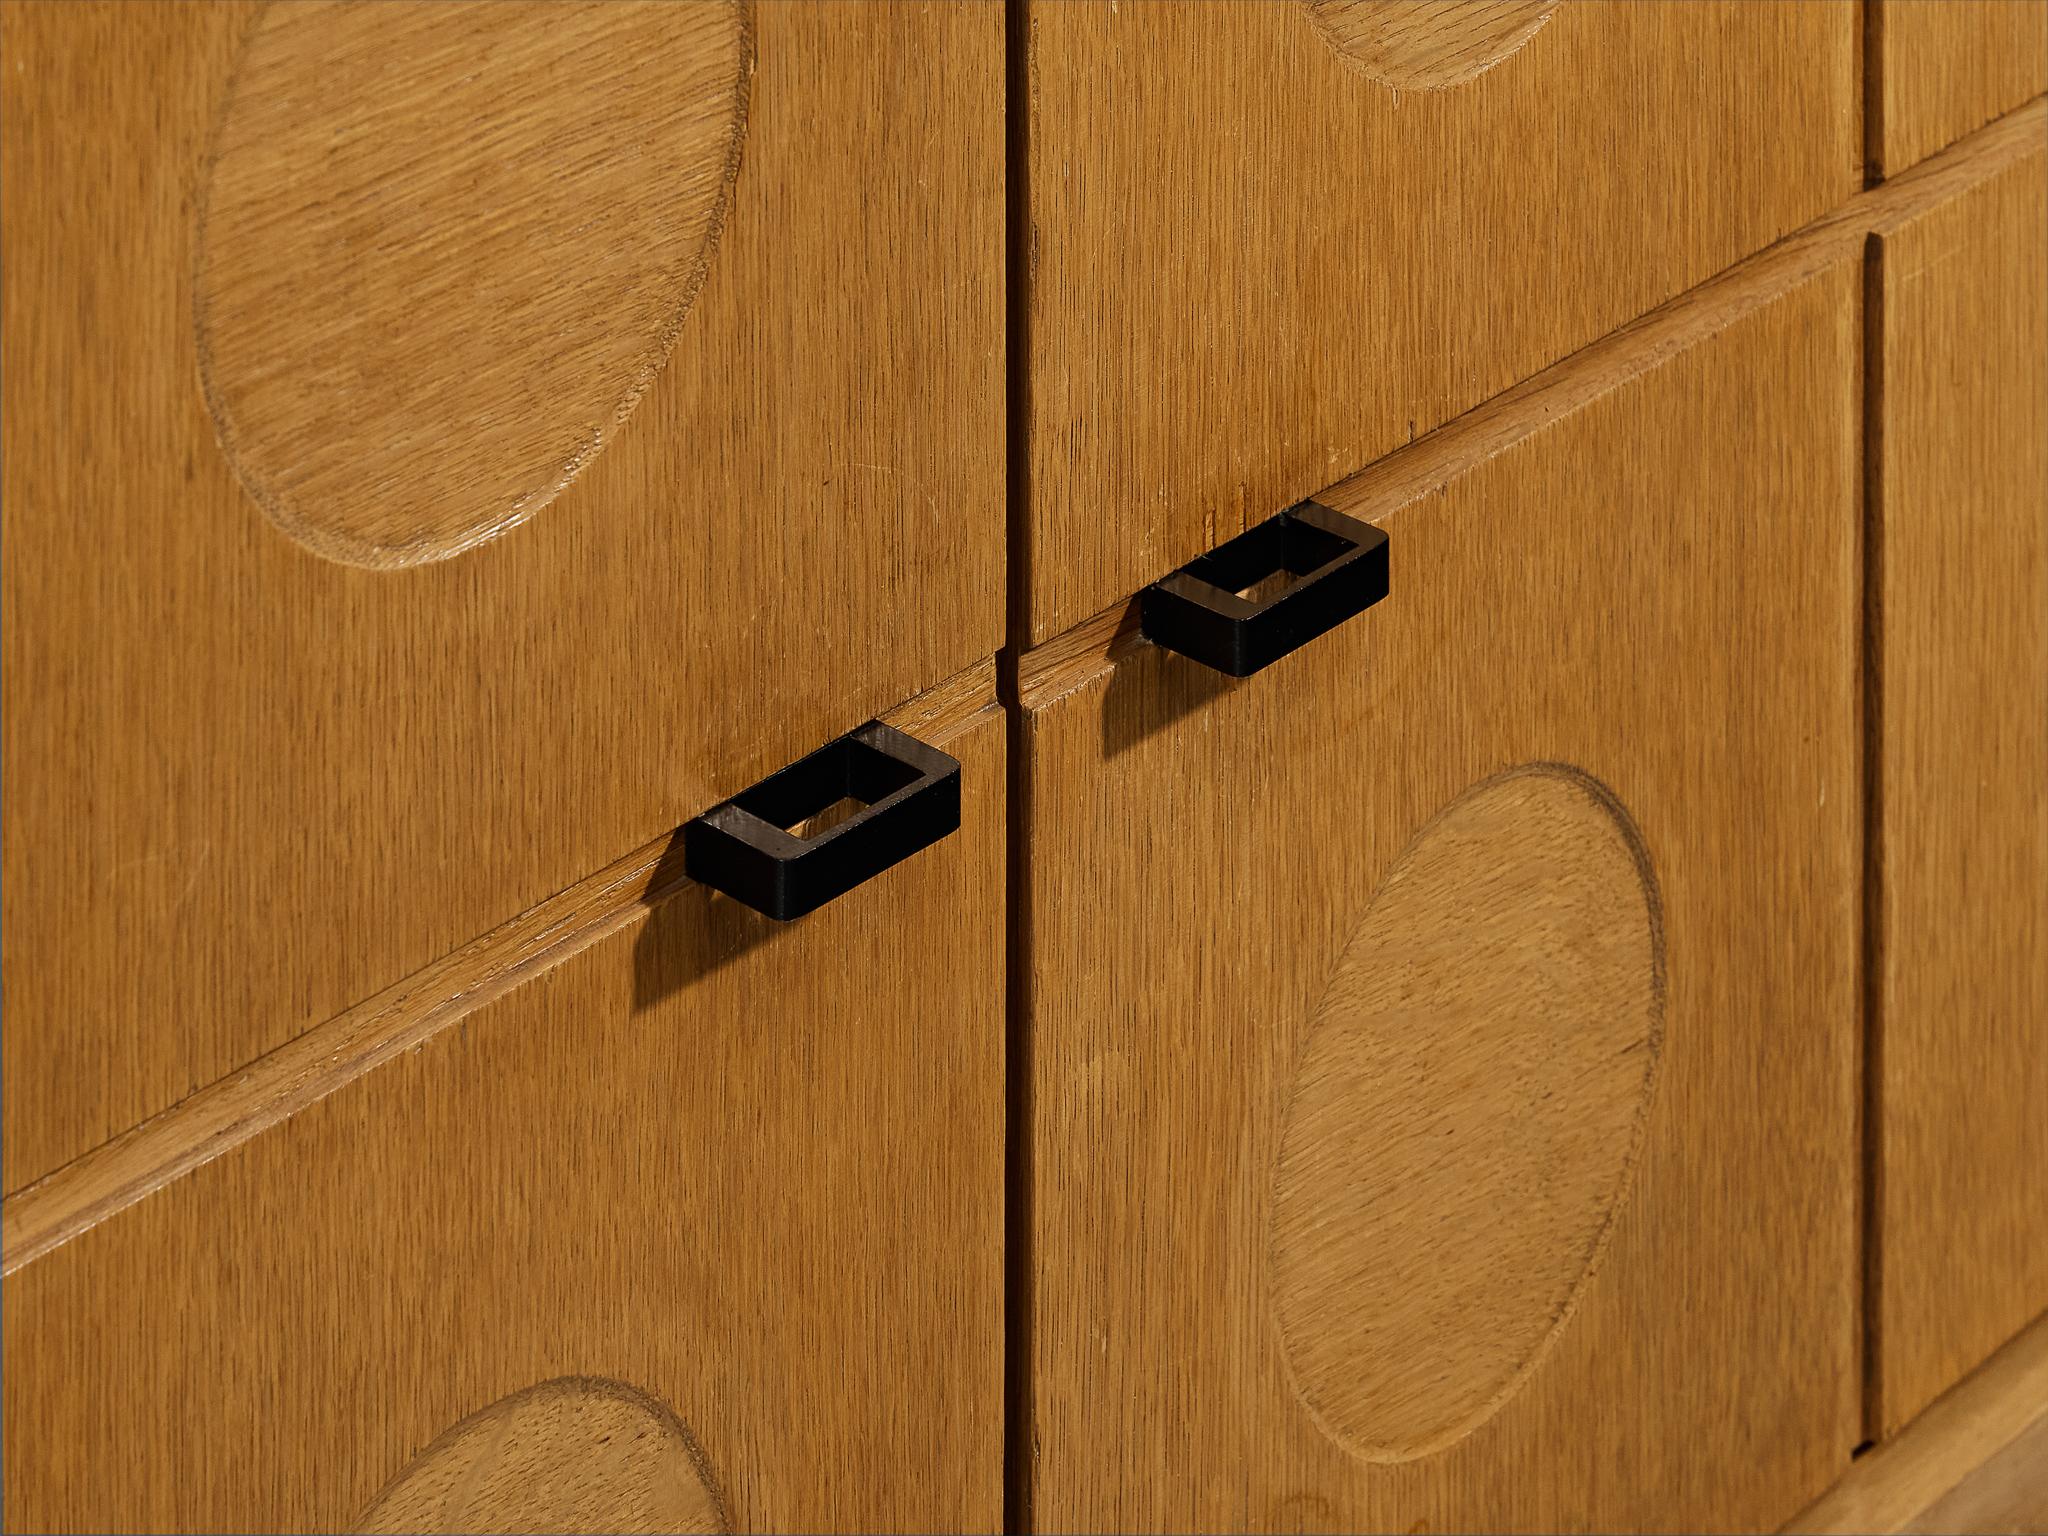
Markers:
(910, 797)
(1339, 566)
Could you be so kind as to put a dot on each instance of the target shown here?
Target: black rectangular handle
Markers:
(910, 796)
(1340, 569)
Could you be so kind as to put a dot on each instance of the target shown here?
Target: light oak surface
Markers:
(1252, 906)
(250, 785)
(1976, 1461)
(1940, 68)
(1069, 659)
(1426, 45)
(384, 371)
(1411, 1305)
(447, 445)
(752, 1172)
(570, 1455)
(1254, 268)
(1960, 1012)
(2006, 1496)
(324, 1059)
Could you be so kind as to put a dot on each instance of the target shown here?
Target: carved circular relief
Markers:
(1426, 45)
(444, 249)
(575, 1454)
(1468, 1111)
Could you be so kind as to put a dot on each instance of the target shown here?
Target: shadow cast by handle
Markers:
(691, 932)
(1151, 690)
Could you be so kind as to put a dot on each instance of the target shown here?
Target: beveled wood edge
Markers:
(93, 1186)
(83, 1192)
(1072, 659)
(1890, 1486)
(947, 708)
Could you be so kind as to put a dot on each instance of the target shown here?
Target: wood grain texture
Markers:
(1941, 68)
(1962, 931)
(1426, 45)
(577, 1454)
(1254, 270)
(1469, 1107)
(403, 1017)
(2007, 1496)
(751, 1171)
(1073, 658)
(1976, 1461)
(247, 787)
(443, 250)
(1647, 585)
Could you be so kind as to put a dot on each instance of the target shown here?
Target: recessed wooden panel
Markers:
(578, 1454)
(1962, 984)
(1426, 45)
(443, 250)
(249, 783)
(1444, 1044)
(748, 1176)
(1270, 243)
(1429, 1240)
(1945, 67)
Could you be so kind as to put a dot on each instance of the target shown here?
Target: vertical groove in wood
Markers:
(1019, 242)
(1871, 978)
(1963, 621)
(1872, 66)
(1018, 1291)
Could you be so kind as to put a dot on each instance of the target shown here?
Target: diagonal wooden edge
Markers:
(1069, 660)
(304, 1070)
(1891, 1487)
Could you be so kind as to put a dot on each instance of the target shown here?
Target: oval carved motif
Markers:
(575, 1454)
(1427, 45)
(445, 248)
(1468, 1111)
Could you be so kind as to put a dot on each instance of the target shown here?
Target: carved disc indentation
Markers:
(1468, 1112)
(1426, 45)
(576, 1454)
(446, 247)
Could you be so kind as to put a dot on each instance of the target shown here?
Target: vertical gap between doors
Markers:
(1019, 1433)
(1017, 1291)
(1872, 978)
(1873, 93)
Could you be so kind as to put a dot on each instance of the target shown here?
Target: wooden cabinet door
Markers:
(1269, 244)
(445, 447)
(698, 1228)
(1942, 68)
(1443, 1047)
(1960, 1011)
